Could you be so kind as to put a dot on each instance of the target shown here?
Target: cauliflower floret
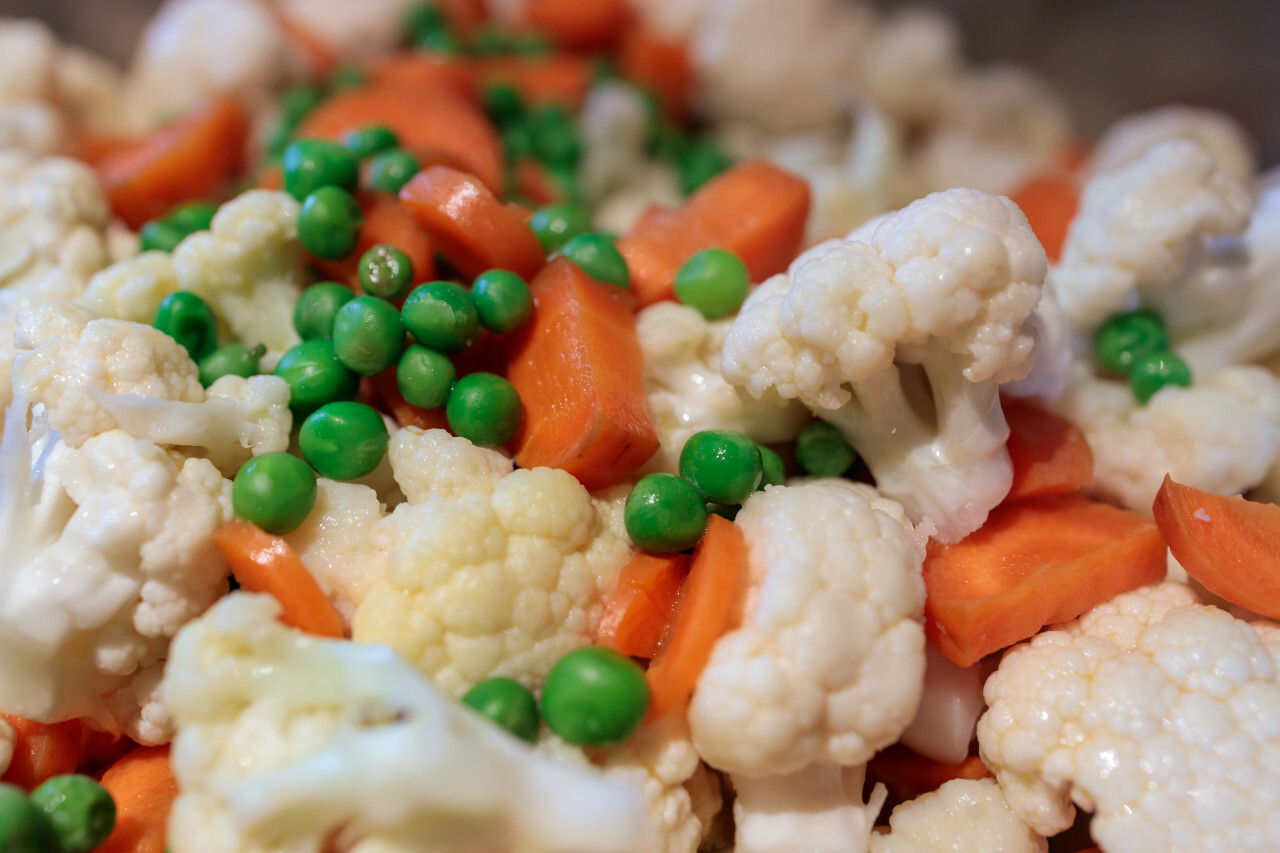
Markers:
(1162, 723)
(935, 305)
(649, 184)
(132, 289)
(7, 739)
(911, 63)
(1129, 139)
(961, 816)
(357, 32)
(614, 125)
(290, 742)
(950, 705)
(489, 576)
(686, 392)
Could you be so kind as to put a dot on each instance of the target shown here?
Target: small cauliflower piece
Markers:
(132, 289)
(290, 742)
(911, 63)
(614, 126)
(1163, 724)
(1127, 140)
(357, 32)
(950, 705)
(961, 816)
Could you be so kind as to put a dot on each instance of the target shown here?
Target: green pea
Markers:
(343, 440)
(310, 164)
(508, 703)
(425, 377)
(502, 101)
(231, 360)
(722, 464)
(274, 491)
(421, 19)
(368, 141)
(594, 696)
(774, 472)
(24, 827)
(713, 281)
(442, 315)
(346, 78)
(329, 223)
(189, 320)
(160, 235)
(317, 307)
(557, 224)
(516, 142)
(698, 163)
(484, 408)
(599, 258)
(1125, 338)
(1153, 371)
(502, 300)
(440, 42)
(81, 811)
(553, 136)
(490, 41)
(391, 170)
(368, 335)
(822, 451)
(664, 513)
(385, 272)
(297, 103)
(194, 216)
(315, 376)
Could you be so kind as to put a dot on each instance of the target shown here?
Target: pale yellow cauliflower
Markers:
(961, 816)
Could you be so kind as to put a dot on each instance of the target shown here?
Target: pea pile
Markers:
(65, 814)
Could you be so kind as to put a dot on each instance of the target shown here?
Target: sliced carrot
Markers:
(908, 774)
(42, 750)
(558, 79)
(578, 367)
(193, 158)
(93, 149)
(385, 221)
(755, 210)
(1050, 455)
(418, 71)
(639, 609)
(261, 562)
(652, 218)
(144, 788)
(534, 182)
(383, 389)
(706, 608)
(470, 226)
(99, 750)
(1229, 544)
(437, 125)
(579, 24)
(1050, 203)
(1034, 563)
(663, 67)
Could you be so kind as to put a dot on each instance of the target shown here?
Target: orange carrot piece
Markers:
(640, 606)
(663, 67)
(908, 774)
(534, 182)
(1050, 203)
(42, 750)
(1229, 544)
(383, 389)
(706, 608)
(144, 788)
(578, 367)
(464, 16)
(99, 750)
(1034, 563)
(755, 210)
(436, 125)
(265, 563)
(193, 158)
(417, 72)
(385, 221)
(470, 226)
(1050, 455)
(559, 79)
(579, 24)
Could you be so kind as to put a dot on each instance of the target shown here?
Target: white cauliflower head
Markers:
(132, 289)
(961, 816)
(1129, 139)
(911, 63)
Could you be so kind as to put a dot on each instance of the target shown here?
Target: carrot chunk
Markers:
(1034, 563)
(908, 774)
(578, 368)
(144, 788)
(265, 563)
(417, 72)
(663, 67)
(42, 750)
(579, 24)
(640, 606)
(560, 79)
(1229, 544)
(755, 210)
(385, 221)
(1050, 203)
(1049, 453)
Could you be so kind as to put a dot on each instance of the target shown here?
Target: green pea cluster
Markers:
(65, 814)
(164, 234)
(1135, 345)
(696, 158)
(190, 321)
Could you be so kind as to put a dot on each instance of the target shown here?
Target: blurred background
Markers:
(1106, 57)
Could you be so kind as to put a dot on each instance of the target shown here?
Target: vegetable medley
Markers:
(626, 426)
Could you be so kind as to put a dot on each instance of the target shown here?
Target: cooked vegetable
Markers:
(665, 513)
(41, 751)
(81, 811)
(424, 377)
(1125, 338)
(1048, 452)
(598, 257)
(368, 335)
(231, 360)
(502, 300)
(1151, 372)
(329, 223)
(315, 376)
(509, 704)
(385, 272)
(640, 606)
(823, 452)
(143, 788)
(189, 320)
(274, 491)
(24, 827)
(594, 696)
(391, 170)
(318, 307)
(343, 440)
(484, 408)
(442, 315)
(310, 164)
(725, 466)
(713, 281)
(557, 224)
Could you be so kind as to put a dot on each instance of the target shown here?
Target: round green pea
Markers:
(391, 170)
(557, 224)
(594, 696)
(82, 811)
(231, 360)
(698, 163)
(442, 315)
(24, 826)
(329, 223)
(274, 491)
(368, 141)
(343, 440)
(1126, 338)
(385, 271)
(317, 307)
(189, 320)
(774, 472)
(502, 300)
(440, 42)
(822, 451)
(368, 335)
(484, 408)
(193, 216)
(508, 703)
(297, 103)
(665, 514)
(502, 101)
(315, 376)
(421, 19)
(713, 281)
(310, 164)
(553, 136)
(725, 466)
(425, 377)
(599, 258)
(1153, 371)
(160, 235)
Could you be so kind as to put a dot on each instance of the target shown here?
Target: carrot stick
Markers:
(590, 25)
(1034, 563)
(42, 750)
(1229, 544)
(908, 774)
(755, 210)
(1050, 203)
(560, 79)
(705, 609)
(144, 788)
(662, 67)
(578, 367)
(1049, 453)
(193, 158)
(470, 226)
(265, 563)
(385, 221)
(638, 610)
